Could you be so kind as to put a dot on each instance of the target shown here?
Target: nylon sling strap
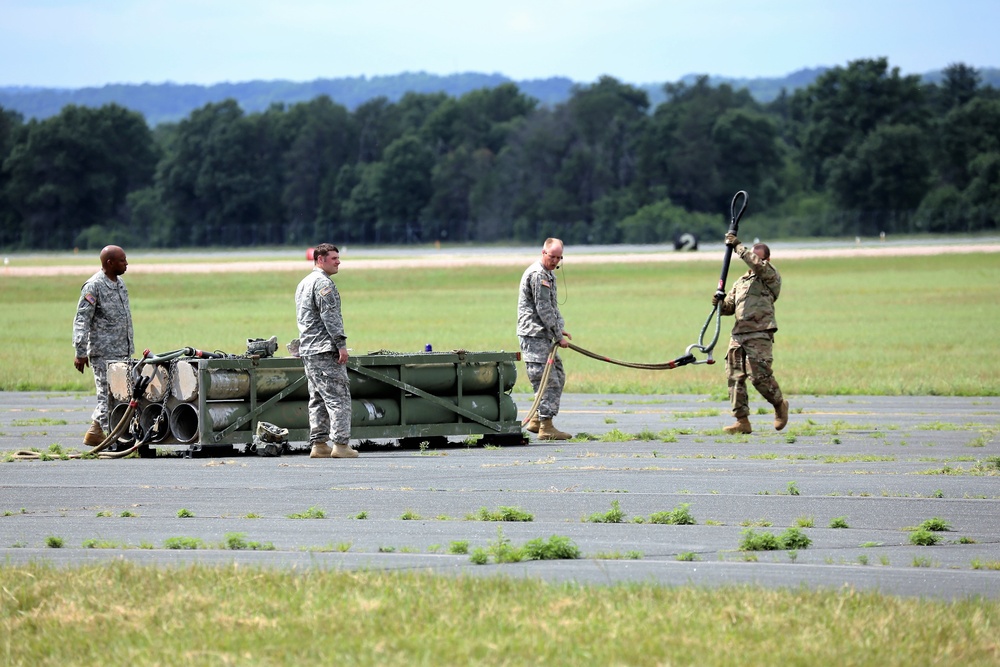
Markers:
(688, 357)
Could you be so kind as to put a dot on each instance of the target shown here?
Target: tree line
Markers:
(862, 150)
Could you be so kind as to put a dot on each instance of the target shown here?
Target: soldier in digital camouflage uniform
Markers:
(751, 300)
(323, 349)
(102, 332)
(539, 325)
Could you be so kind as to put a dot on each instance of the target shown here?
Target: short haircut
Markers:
(110, 253)
(763, 246)
(324, 249)
(549, 241)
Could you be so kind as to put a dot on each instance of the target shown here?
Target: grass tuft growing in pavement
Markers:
(614, 515)
(501, 514)
(311, 513)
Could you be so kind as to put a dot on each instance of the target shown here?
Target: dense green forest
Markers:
(860, 150)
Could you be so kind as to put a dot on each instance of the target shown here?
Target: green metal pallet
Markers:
(412, 398)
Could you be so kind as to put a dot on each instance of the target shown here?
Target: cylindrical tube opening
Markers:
(152, 418)
(184, 422)
(116, 415)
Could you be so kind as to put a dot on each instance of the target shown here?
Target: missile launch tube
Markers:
(185, 422)
(148, 418)
(234, 384)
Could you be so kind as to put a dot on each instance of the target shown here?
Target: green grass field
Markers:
(122, 614)
(888, 326)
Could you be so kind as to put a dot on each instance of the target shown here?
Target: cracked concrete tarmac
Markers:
(880, 466)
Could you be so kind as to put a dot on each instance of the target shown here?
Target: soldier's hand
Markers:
(80, 362)
(731, 240)
(716, 299)
(342, 355)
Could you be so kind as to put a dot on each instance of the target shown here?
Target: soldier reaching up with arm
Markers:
(751, 301)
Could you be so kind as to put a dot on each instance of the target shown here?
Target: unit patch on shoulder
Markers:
(325, 291)
(91, 299)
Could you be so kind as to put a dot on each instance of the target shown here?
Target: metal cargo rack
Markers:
(413, 399)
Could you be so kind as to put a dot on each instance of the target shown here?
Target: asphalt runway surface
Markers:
(879, 466)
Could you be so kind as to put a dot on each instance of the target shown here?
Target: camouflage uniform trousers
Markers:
(751, 357)
(535, 352)
(100, 367)
(329, 397)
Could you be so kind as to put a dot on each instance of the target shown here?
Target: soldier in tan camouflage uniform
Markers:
(102, 332)
(539, 324)
(751, 300)
(323, 348)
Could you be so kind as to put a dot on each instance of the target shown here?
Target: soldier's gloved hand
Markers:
(716, 299)
(731, 240)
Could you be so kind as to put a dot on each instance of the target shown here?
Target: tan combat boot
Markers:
(342, 450)
(94, 435)
(547, 431)
(742, 425)
(320, 450)
(781, 415)
(533, 425)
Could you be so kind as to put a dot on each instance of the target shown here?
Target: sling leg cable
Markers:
(139, 387)
(688, 357)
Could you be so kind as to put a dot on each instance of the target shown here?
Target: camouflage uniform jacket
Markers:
(537, 310)
(752, 296)
(317, 305)
(103, 323)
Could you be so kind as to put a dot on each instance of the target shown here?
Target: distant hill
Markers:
(763, 89)
(171, 102)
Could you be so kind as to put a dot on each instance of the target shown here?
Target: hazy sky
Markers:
(78, 43)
